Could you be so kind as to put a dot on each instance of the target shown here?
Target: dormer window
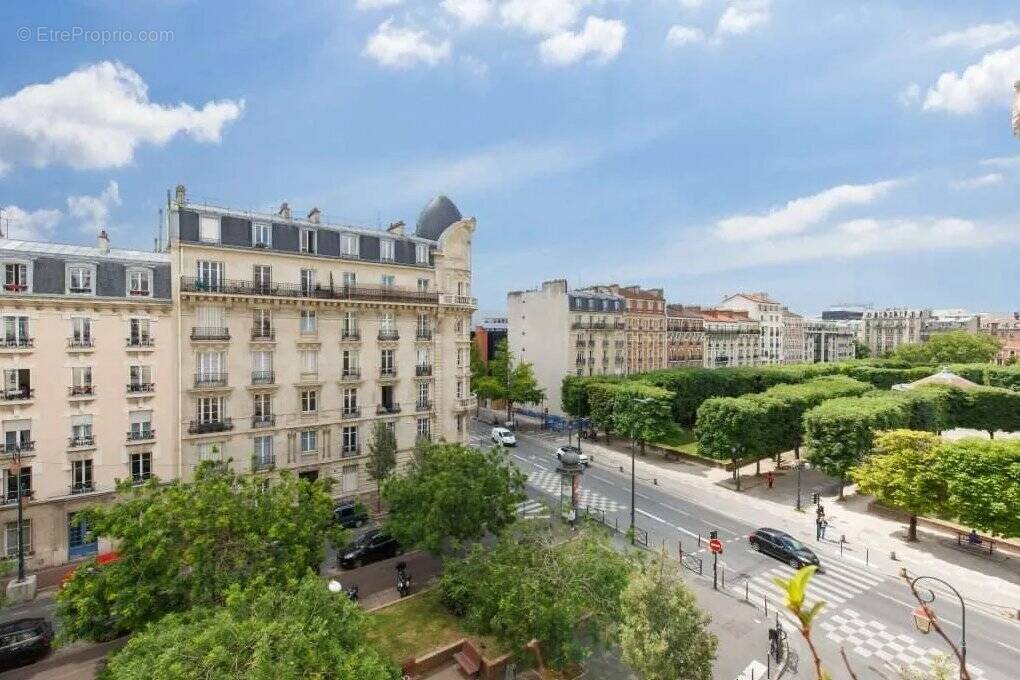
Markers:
(421, 253)
(386, 250)
(139, 283)
(16, 277)
(308, 241)
(349, 245)
(209, 229)
(81, 279)
(261, 235)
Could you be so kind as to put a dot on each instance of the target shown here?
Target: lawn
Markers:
(679, 439)
(419, 625)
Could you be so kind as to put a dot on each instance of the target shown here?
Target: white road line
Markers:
(603, 480)
(677, 510)
(539, 466)
(720, 527)
(911, 607)
(1003, 644)
(650, 516)
(641, 495)
(681, 529)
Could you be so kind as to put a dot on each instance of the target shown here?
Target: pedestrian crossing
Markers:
(838, 584)
(550, 483)
(532, 509)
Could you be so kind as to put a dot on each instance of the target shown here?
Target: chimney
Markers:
(313, 215)
(396, 227)
(284, 210)
(181, 195)
(104, 242)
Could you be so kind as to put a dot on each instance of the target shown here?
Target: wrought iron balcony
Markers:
(350, 374)
(11, 497)
(262, 420)
(15, 449)
(82, 487)
(209, 333)
(190, 284)
(263, 334)
(81, 391)
(17, 394)
(141, 435)
(82, 441)
(387, 372)
(209, 426)
(17, 343)
(263, 377)
(15, 288)
(141, 387)
(261, 462)
(423, 405)
(423, 370)
(141, 341)
(350, 334)
(390, 335)
(386, 409)
(352, 412)
(423, 334)
(210, 380)
(81, 343)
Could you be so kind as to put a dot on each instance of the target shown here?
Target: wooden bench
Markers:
(469, 658)
(986, 545)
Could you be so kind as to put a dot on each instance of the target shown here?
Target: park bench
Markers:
(986, 545)
(469, 658)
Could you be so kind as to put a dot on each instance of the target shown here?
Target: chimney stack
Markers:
(396, 227)
(181, 195)
(284, 210)
(104, 242)
(313, 215)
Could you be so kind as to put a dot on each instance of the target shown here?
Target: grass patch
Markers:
(419, 625)
(679, 439)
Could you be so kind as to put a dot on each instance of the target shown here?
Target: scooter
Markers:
(403, 580)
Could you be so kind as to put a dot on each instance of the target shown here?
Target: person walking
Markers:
(823, 524)
(770, 478)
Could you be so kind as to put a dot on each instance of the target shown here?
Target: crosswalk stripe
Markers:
(775, 603)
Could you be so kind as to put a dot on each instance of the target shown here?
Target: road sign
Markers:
(715, 545)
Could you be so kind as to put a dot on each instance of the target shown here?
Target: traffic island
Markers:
(22, 591)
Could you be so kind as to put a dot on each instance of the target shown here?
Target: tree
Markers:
(642, 412)
(663, 633)
(902, 473)
(991, 409)
(524, 587)
(513, 382)
(951, 347)
(184, 544)
(981, 484)
(382, 457)
(861, 350)
(456, 493)
(266, 631)
(479, 370)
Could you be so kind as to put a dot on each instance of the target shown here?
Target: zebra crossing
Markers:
(838, 584)
(550, 482)
(532, 509)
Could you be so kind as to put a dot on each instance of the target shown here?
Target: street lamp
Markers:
(800, 465)
(925, 620)
(633, 477)
(736, 465)
(15, 468)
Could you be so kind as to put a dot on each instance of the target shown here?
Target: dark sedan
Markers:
(783, 546)
(24, 641)
(372, 546)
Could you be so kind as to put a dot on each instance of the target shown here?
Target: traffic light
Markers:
(713, 534)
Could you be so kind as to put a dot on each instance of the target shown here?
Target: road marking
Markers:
(676, 510)
(689, 533)
(604, 481)
(911, 607)
(540, 466)
(1006, 646)
(650, 516)
(719, 526)
(754, 671)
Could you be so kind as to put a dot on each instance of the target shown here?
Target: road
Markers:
(866, 612)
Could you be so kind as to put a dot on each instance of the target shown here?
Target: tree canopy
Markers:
(184, 544)
(508, 380)
(382, 456)
(641, 412)
(268, 631)
(951, 347)
(982, 479)
(453, 493)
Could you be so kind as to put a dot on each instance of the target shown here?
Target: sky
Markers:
(822, 152)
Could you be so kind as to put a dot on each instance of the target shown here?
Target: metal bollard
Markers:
(766, 598)
(747, 591)
(867, 557)
(699, 539)
(724, 578)
(655, 481)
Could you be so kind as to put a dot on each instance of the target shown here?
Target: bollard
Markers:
(699, 539)
(867, 557)
(616, 524)
(655, 481)
(680, 548)
(621, 468)
(892, 555)
(903, 572)
(724, 578)
(747, 591)
(766, 598)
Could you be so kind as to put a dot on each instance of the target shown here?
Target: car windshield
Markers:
(793, 544)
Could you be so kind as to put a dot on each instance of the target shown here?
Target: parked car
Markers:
(350, 514)
(372, 546)
(585, 460)
(783, 546)
(24, 641)
(503, 437)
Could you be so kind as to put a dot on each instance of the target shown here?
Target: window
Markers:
(81, 331)
(81, 430)
(307, 282)
(349, 438)
(421, 253)
(386, 250)
(309, 361)
(387, 322)
(209, 229)
(139, 282)
(388, 280)
(11, 538)
(80, 279)
(262, 365)
(308, 241)
(262, 278)
(460, 357)
(210, 451)
(349, 245)
(349, 478)
(423, 285)
(350, 279)
(141, 424)
(309, 441)
(349, 325)
(17, 434)
(141, 466)
(139, 377)
(387, 356)
(460, 390)
(424, 356)
(262, 455)
(458, 327)
(349, 399)
(424, 325)
(309, 401)
(81, 476)
(81, 380)
(15, 277)
(210, 365)
(138, 334)
(423, 393)
(424, 429)
(16, 331)
(309, 321)
(261, 323)
(208, 275)
(210, 409)
(460, 424)
(350, 361)
(261, 235)
(24, 475)
(262, 406)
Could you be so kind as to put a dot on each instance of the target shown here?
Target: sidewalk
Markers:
(992, 583)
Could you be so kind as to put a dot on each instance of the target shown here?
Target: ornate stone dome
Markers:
(439, 214)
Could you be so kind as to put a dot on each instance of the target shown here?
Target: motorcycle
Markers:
(403, 580)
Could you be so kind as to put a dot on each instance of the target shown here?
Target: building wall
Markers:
(685, 340)
(829, 341)
(883, 330)
(1007, 330)
(732, 343)
(769, 314)
(794, 339)
(539, 332)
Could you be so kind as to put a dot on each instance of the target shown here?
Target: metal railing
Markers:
(81, 391)
(81, 488)
(423, 405)
(23, 447)
(423, 370)
(84, 440)
(387, 372)
(261, 420)
(347, 451)
(263, 334)
(389, 335)
(423, 334)
(142, 435)
(17, 343)
(262, 462)
(191, 284)
(210, 380)
(141, 341)
(141, 388)
(447, 299)
(354, 412)
(263, 377)
(81, 343)
(350, 334)
(208, 333)
(384, 409)
(208, 426)
(19, 394)
(350, 374)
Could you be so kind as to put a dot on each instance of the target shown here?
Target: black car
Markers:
(372, 546)
(783, 546)
(24, 641)
(350, 514)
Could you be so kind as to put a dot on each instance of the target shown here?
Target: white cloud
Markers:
(743, 17)
(469, 12)
(541, 17)
(683, 35)
(601, 39)
(35, 225)
(366, 5)
(1002, 162)
(977, 37)
(801, 213)
(94, 211)
(96, 117)
(990, 81)
(910, 95)
(979, 181)
(400, 47)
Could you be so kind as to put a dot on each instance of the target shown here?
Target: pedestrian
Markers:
(822, 526)
(770, 478)
(572, 516)
(818, 528)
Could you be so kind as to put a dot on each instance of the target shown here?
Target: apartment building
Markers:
(1006, 329)
(297, 336)
(829, 341)
(89, 360)
(769, 315)
(645, 320)
(794, 338)
(685, 336)
(488, 334)
(732, 338)
(945, 320)
(883, 330)
(567, 332)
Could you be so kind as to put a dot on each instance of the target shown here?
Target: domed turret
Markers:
(439, 214)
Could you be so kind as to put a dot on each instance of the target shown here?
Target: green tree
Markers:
(727, 429)
(456, 493)
(642, 412)
(663, 633)
(952, 347)
(991, 409)
(382, 457)
(510, 381)
(601, 401)
(982, 480)
(184, 544)
(525, 588)
(264, 632)
(479, 370)
(902, 473)
(861, 350)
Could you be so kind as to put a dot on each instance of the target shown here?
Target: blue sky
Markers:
(820, 151)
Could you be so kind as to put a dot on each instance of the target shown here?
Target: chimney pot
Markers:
(313, 215)
(396, 227)
(181, 195)
(104, 242)
(285, 210)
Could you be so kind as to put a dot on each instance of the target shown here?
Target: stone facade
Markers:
(883, 330)
(685, 336)
(732, 338)
(769, 315)
(794, 339)
(646, 325)
(1006, 329)
(829, 341)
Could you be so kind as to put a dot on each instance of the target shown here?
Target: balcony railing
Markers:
(351, 412)
(383, 409)
(349, 450)
(207, 333)
(141, 341)
(141, 387)
(262, 461)
(261, 420)
(263, 334)
(11, 496)
(17, 343)
(208, 426)
(423, 405)
(15, 288)
(190, 284)
(142, 435)
(17, 394)
(389, 335)
(80, 343)
(81, 441)
(263, 377)
(350, 374)
(12, 449)
(387, 373)
(210, 379)
(423, 334)
(464, 300)
(423, 370)
(82, 487)
(81, 391)
(350, 334)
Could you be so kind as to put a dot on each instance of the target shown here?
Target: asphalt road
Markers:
(866, 612)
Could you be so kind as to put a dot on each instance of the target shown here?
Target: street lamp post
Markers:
(925, 625)
(16, 469)
(800, 465)
(736, 465)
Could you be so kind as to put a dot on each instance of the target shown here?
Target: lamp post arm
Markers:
(961, 653)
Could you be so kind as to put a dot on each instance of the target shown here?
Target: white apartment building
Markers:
(89, 361)
(883, 330)
(944, 320)
(829, 341)
(564, 332)
(769, 314)
(794, 338)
